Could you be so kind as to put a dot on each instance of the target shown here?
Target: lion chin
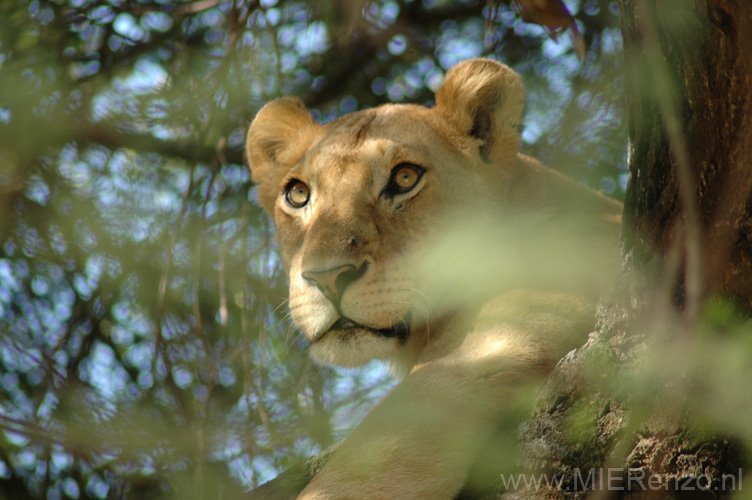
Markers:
(350, 344)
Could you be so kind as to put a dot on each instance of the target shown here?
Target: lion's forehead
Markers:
(362, 148)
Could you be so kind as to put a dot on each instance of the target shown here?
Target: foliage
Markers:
(144, 348)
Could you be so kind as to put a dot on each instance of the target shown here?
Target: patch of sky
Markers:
(318, 83)
(237, 139)
(117, 42)
(78, 176)
(287, 62)
(313, 40)
(247, 39)
(53, 328)
(9, 382)
(612, 41)
(297, 12)
(27, 458)
(27, 359)
(523, 29)
(7, 276)
(148, 75)
(226, 376)
(37, 190)
(200, 392)
(591, 7)
(70, 488)
(32, 243)
(264, 469)
(21, 269)
(156, 21)
(39, 285)
(61, 358)
(165, 201)
(273, 17)
(271, 86)
(217, 38)
(20, 406)
(100, 105)
(46, 406)
(220, 98)
(623, 181)
(212, 18)
(425, 65)
(348, 104)
(256, 20)
(102, 371)
(397, 45)
(554, 49)
(389, 12)
(103, 14)
(45, 15)
(4, 470)
(97, 488)
(127, 25)
(182, 376)
(93, 268)
(106, 196)
(82, 287)
(11, 361)
(607, 185)
(531, 131)
(145, 380)
(382, 16)
(63, 300)
(414, 81)
(378, 86)
(158, 108)
(123, 337)
(453, 50)
(10, 247)
(396, 90)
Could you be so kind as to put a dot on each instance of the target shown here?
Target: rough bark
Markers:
(686, 237)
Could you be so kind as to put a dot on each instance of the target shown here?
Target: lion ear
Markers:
(485, 99)
(279, 136)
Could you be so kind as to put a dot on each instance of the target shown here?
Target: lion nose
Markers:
(333, 282)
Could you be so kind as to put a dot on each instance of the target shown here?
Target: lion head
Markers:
(355, 200)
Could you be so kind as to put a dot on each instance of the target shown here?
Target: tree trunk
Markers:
(610, 412)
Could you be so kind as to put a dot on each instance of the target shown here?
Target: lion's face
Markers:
(354, 202)
(351, 215)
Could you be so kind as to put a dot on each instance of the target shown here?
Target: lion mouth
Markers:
(400, 330)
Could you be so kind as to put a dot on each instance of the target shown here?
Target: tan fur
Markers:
(491, 261)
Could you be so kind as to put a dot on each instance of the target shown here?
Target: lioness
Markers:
(420, 236)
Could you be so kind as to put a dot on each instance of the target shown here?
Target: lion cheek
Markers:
(380, 302)
(312, 313)
(313, 319)
(378, 314)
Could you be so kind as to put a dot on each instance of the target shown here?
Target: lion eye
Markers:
(297, 194)
(404, 178)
